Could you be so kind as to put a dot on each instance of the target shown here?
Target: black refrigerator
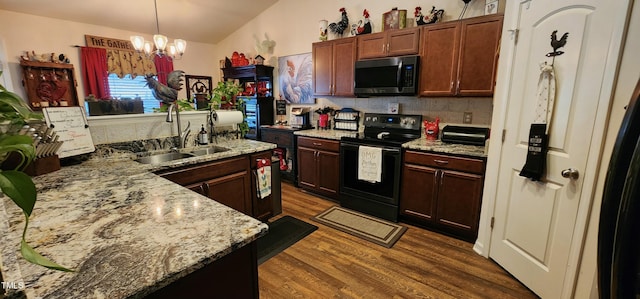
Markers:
(619, 231)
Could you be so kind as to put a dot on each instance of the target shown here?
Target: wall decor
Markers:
(295, 77)
(198, 89)
(49, 84)
(394, 19)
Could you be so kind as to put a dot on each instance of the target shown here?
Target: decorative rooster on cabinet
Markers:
(166, 94)
(363, 27)
(342, 25)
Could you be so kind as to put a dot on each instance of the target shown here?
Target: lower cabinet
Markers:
(442, 192)
(319, 166)
(229, 182)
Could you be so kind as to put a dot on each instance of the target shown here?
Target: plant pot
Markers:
(323, 121)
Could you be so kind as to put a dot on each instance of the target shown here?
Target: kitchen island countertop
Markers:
(125, 231)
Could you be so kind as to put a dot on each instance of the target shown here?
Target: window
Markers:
(128, 88)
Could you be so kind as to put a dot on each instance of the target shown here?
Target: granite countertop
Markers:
(326, 134)
(126, 231)
(437, 146)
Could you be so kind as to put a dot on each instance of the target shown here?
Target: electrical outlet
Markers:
(467, 118)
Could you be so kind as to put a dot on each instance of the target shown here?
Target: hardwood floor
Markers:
(422, 264)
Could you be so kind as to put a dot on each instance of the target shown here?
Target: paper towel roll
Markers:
(225, 118)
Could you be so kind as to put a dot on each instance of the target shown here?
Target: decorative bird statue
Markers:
(434, 16)
(557, 44)
(363, 27)
(342, 25)
(166, 94)
(418, 15)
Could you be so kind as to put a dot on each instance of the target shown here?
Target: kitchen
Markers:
(203, 59)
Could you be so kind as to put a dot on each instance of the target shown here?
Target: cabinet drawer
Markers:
(282, 139)
(319, 144)
(199, 173)
(444, 161)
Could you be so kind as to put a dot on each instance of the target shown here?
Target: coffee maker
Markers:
(300, 118)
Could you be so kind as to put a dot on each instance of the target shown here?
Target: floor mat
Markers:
(283, 233)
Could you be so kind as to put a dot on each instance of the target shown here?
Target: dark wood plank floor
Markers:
(422, 264)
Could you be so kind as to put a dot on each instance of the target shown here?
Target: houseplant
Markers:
(224, 96)
(323, 118)
(14, 183)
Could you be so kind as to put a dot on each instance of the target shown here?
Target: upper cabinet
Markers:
(460, 58)
(389, 43)
(333, 67)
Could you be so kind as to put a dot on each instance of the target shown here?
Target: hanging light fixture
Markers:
(161, 42)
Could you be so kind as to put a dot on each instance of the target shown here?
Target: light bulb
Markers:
(160, 41)
(138, 42)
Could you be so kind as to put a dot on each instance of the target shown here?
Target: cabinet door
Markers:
(328, 164)
(403, 42)
(418, 192)
(307, 171)
(439, 61)
(372, 45)
(459, 198)
(262, 207)
(232, 190)
(344, 57)
(322, 63)
(479, 45)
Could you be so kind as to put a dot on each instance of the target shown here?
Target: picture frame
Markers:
(199, 90)
(491, 7)
(295, 78)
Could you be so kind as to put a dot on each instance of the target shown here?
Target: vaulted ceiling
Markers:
(206, 21)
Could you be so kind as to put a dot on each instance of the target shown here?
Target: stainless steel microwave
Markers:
(386, 76)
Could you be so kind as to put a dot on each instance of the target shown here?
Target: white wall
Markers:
(24, 32)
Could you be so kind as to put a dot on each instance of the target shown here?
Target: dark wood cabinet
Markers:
(259, 107)
(319, 166)
(333, 67)
(389, 43)
(442, 192)
(227, 182)
(262, 207)
(460, 58)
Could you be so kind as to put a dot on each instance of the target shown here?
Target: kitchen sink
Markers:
(208, 150)
(161, 158)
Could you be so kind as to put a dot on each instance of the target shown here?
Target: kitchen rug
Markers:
(367, 227)
(283, 233)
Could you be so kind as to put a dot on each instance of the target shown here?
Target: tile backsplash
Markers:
(125, 128)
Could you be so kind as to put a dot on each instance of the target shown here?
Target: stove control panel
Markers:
(393, 121)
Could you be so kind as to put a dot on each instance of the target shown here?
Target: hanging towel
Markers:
(263, 178)
(370, 164)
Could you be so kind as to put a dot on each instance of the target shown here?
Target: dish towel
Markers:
(263, 178)
(370, 164)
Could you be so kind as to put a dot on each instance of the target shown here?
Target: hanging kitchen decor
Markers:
(534, 167)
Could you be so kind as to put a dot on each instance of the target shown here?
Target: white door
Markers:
(535, 221)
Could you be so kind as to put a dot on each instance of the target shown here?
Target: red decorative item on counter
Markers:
(323, 121)
(431, 129)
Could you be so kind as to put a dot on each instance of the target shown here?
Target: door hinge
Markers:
(504, 135)
(493, 220)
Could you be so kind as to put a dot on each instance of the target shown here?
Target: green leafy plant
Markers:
(14, 183)
(183, 105)
(325, 110)
(224, 96)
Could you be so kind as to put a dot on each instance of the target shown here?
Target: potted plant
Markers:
(323, 118)
(224, 96)
(14, 183)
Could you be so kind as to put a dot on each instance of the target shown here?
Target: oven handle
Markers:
(384, 149)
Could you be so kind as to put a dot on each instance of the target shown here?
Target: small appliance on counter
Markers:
(300, 118)
(465, 135)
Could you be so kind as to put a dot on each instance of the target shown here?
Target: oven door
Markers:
(386, 191)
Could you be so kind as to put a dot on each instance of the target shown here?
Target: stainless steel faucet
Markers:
(182, 135)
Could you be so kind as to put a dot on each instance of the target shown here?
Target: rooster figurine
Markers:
(342, 25)
(366, 27)
(557, 43)
(419, 17)
(166, 94)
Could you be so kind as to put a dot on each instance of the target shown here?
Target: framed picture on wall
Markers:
(198, 90)
(295, 77)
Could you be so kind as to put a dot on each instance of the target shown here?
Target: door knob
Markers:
(570, 173)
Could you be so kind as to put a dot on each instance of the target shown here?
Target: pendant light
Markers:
(161, 42)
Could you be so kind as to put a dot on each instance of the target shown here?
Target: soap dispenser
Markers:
(203, 138)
